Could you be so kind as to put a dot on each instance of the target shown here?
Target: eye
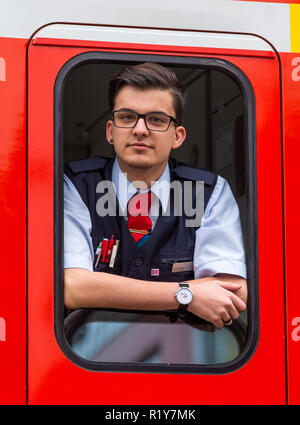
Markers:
(157, 119)
(127, 116)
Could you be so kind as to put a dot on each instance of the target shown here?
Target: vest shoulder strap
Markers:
(85, 174)
(195, 174)
(88, 164)
(186, 172)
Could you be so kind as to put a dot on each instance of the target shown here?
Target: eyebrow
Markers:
(151, 112)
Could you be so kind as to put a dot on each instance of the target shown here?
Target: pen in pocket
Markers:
(98, 251)
(114, 253)
(104, 249)
(109, 249)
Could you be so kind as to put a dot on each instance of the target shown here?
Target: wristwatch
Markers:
(184, 296)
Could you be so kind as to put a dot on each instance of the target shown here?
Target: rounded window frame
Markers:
(250, 237)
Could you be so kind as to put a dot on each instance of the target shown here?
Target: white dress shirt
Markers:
(219, 242)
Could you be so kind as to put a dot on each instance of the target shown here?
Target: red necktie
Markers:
(139, 222)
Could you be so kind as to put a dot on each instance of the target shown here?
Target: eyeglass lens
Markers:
(154, 121)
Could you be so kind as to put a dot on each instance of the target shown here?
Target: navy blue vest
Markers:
(170, 242)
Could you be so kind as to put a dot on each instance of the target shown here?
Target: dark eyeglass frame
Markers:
(144, 116)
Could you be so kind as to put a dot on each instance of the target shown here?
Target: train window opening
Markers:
(219, 119)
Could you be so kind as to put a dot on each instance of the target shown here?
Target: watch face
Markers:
(184, 296)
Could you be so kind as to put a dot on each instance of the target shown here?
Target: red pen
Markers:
(110, 246)
(104, 249)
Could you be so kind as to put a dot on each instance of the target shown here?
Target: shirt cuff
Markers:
(214, 267)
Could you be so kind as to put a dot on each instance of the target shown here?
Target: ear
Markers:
(109, 130)
(180, 135)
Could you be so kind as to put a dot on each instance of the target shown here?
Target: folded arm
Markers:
(215, 299)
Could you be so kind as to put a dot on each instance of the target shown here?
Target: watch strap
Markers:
(182, 308)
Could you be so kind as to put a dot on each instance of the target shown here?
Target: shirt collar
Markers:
(125, 189)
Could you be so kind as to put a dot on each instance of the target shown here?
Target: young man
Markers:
(201, 269)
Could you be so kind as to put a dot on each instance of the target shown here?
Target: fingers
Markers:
(227, 321)
(217, 303)
(230, 311)
(220, 323)
(233, 310)
(230, 286)
(239, 304)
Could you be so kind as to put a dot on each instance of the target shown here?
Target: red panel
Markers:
(52, 377)
(291, 114)
(13, 221)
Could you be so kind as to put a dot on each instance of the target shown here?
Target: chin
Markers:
(142, 165)
(138, 162)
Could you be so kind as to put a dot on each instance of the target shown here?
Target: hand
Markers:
(242, 292)
(214, 300)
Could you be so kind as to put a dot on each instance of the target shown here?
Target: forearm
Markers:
(213, 300)
(85, 289)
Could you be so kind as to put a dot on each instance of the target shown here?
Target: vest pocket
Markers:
(176, 268)
(104, 267)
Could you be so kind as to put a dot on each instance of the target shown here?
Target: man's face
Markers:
(139, 148)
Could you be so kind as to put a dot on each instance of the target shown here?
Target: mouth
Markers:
(139, 146)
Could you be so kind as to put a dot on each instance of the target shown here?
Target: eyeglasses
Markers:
(154, 121)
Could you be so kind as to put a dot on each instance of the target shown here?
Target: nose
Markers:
(140, 128)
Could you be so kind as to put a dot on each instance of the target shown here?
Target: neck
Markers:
(146, 175)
